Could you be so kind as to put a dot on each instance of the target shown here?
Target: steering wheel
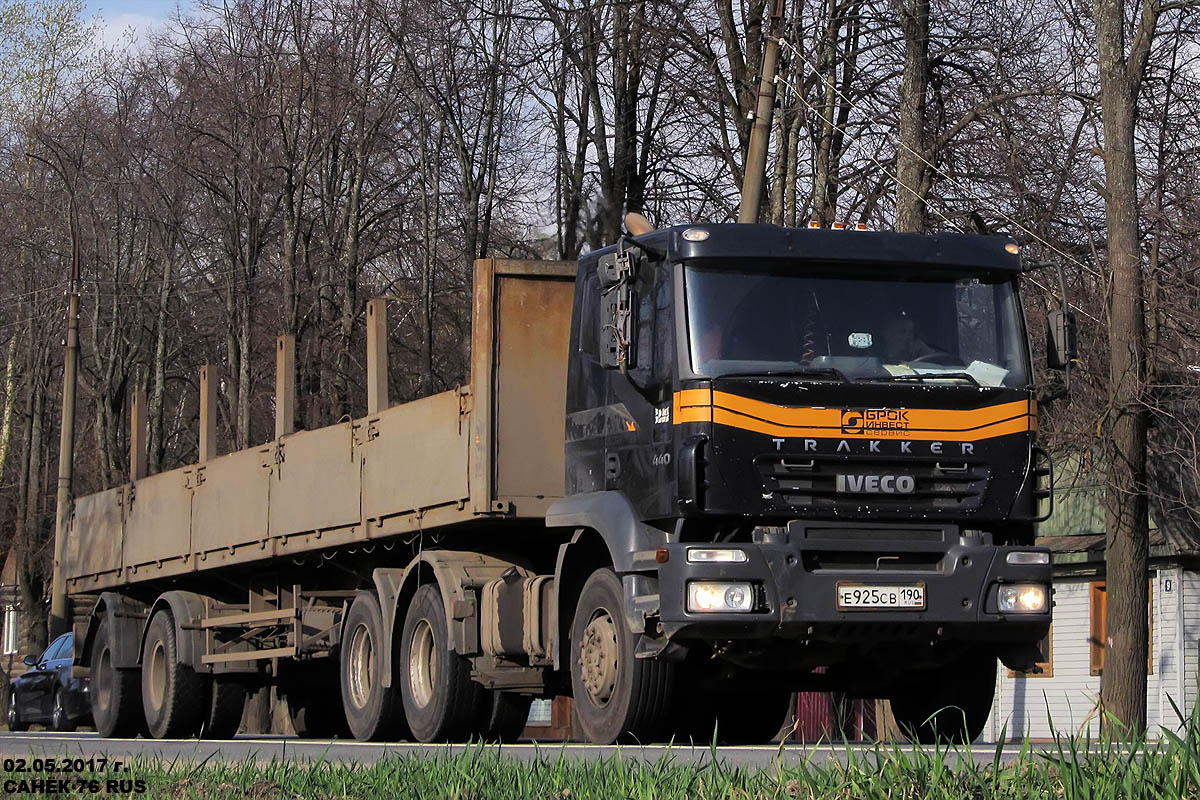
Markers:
(936, 357)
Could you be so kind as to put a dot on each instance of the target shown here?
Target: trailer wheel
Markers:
(503, 716)
(617, 696)
(226, 705)
(372, 709)
(172, 693)
(949, 704)
(441, 701)
(116, 693)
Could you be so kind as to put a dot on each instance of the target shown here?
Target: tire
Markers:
(116, 693)
(372, 710)
(15, 723)
(948, 705)
(172, 693)
(226, 704)
(617, 696)
(60, 721)
(503, 716)
(441, 702)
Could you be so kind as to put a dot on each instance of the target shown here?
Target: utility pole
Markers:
(60, 621)
(760, 136)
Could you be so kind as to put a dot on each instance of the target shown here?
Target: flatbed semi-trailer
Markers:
(691, 474)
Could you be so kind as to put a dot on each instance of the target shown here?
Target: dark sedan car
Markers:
(48, 693)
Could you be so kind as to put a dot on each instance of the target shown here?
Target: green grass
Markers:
(1071, 769)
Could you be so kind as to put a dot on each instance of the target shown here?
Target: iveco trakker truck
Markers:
(695, 472)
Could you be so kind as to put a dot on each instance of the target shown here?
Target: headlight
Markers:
(1025, 557)
(716, 555)
(720, 596)
(1022, 598)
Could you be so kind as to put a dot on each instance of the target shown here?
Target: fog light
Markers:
(1024, 557)
(1022, 598)
(716, 555)
(720, 596)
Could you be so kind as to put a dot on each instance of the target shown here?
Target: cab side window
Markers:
(588, 323)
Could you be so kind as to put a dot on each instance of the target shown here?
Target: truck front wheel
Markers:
(616, 695)
(372, 709)
(949, 704)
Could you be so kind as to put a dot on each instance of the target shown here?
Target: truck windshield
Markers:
(927, 327)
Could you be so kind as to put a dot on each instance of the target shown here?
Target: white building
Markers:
(1063, 698)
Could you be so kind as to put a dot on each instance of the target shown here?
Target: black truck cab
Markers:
(836, 431)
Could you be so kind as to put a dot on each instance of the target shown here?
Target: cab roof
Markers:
(772, 242)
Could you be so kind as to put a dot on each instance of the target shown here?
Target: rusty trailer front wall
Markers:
(492, 448)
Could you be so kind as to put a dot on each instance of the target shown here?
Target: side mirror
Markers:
(1060, 339)
(30, 661)
(618, 324)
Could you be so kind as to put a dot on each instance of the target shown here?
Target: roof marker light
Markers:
(1012, 248)
(814, 223)
(695, 235)
(839, 226)
(860, 226)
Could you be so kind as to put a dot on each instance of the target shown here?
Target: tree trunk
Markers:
(1123, 685)
(10, 388)
(910, 155)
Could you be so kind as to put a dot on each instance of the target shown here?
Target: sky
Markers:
(121, 15)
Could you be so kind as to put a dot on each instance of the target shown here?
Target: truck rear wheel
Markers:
(949, 704)
(372, 710)
(116, 693)
(226, 705)
(616, 695)
(172, 693)
(441, 701)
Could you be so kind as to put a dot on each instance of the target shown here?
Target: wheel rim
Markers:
(12, 709)
(102, 681)
(422, 664)
(598, 657)
(157, 670)
(58, 709)
(361, 667)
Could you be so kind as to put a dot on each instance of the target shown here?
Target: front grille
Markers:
(811, 482)
(842, 561)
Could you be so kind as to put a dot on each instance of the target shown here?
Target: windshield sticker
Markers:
(860, 340)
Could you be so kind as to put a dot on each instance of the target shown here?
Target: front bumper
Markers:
(796, 571)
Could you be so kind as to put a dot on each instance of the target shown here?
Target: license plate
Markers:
(860, 596)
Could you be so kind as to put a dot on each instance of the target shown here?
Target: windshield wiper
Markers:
(924, 376)
(796, 372)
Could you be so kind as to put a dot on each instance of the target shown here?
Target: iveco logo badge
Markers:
(876, 484)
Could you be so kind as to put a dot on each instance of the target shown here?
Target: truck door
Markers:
(638, 448)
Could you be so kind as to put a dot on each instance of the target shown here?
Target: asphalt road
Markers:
(268, 748)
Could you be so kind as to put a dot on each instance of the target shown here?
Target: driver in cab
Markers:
(900, 340)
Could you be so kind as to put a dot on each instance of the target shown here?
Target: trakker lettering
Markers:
(876, 484)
